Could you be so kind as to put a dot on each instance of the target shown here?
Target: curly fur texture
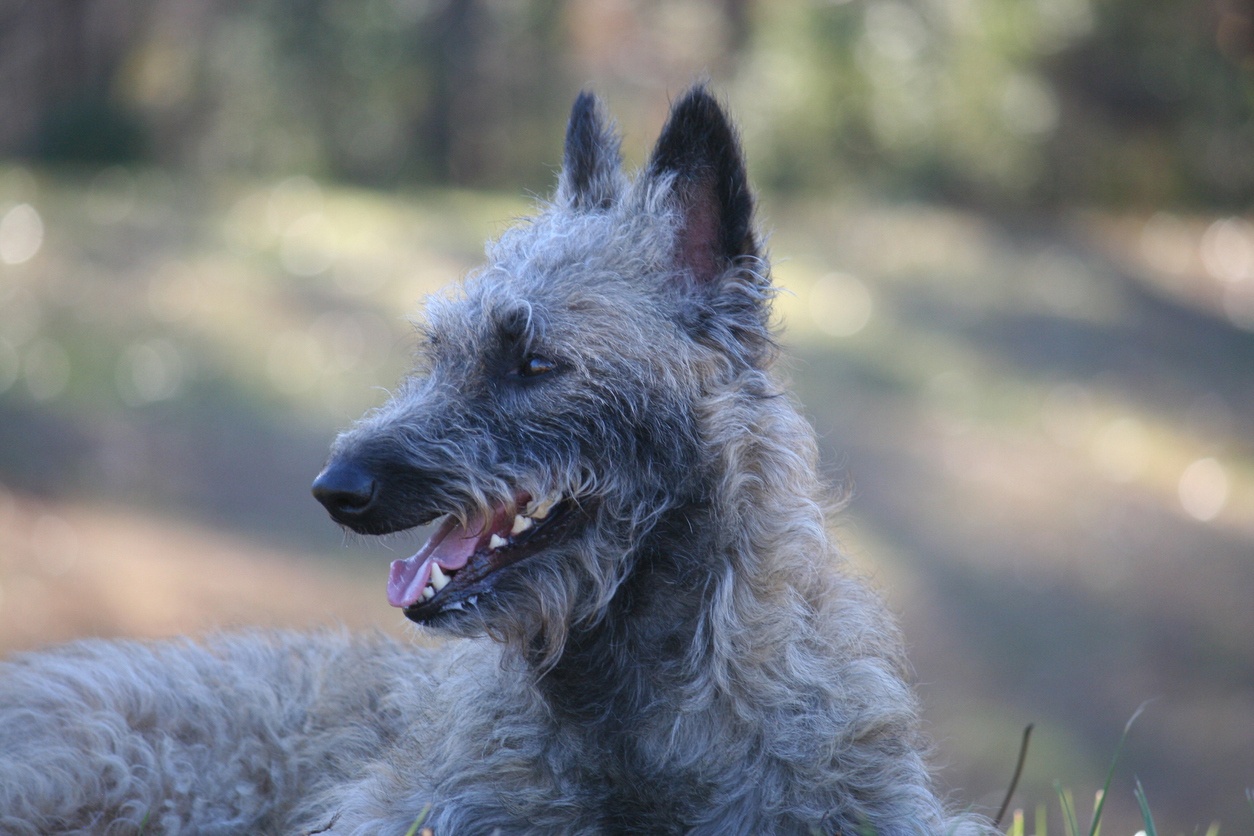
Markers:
(686, 652)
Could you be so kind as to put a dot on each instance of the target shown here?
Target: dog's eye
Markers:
(535, 365)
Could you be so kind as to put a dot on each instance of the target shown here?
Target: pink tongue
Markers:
(450, 546)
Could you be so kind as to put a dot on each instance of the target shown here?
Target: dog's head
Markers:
(562, 408)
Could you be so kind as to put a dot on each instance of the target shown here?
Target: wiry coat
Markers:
(679, 649)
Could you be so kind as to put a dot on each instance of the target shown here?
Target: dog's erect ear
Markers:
(592, 176)
(699, 147)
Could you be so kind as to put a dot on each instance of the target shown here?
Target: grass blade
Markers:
(1018, 773)
(1110, 774)
(422, 816)
(1145, 810)
(1068, 810)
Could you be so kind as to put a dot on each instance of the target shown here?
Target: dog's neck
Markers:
(637, 657)
(673, 614)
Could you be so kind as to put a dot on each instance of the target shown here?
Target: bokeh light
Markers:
(21, 234)
(150, 371)
(1227, 250)
(840, 304)
(174, 293)
(1121, 449)
(1203, 489)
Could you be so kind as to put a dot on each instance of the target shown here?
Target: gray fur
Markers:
(690, 654)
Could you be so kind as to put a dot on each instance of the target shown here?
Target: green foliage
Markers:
(1090, 101)
(1008, 102)
(935, 99)
(90, 129)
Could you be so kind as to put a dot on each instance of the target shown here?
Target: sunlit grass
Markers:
(1067, 807)
(1040, 827)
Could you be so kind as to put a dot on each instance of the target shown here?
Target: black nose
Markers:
(346, 490)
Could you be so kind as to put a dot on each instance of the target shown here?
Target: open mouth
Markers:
(453, 567)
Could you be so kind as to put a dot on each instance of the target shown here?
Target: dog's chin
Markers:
(464, 598)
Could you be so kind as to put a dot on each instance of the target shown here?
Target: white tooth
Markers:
(472, 600)
(497, 541)
(541, 509)
(456, 605)
(428, 592)
(521, 524)
(439, 580)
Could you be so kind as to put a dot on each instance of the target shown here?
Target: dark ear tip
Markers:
(700, 147)
(585, 106)
(697, 126)
(698, 99)
(585, 125)
(590, 163)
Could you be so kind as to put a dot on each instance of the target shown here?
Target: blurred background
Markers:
(1018, 249)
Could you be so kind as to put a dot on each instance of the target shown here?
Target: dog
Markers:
(646, 625)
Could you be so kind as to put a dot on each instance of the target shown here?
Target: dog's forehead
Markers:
(627, 241)
(557, 271)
